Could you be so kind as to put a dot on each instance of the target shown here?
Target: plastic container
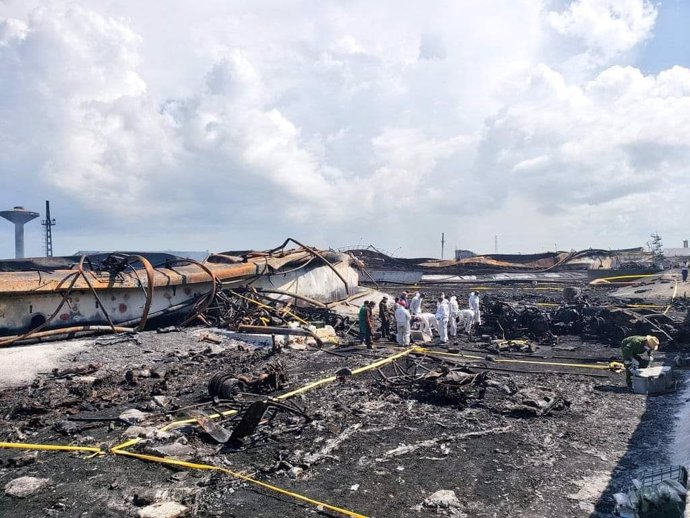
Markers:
(652, 380)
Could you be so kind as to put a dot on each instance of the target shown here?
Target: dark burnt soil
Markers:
(370, 446)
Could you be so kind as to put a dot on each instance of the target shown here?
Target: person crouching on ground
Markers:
(402, 322)
(632, 348)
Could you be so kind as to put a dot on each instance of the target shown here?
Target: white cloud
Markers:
(234, 125)
(12, 30)
(620, 136)
(606, 27)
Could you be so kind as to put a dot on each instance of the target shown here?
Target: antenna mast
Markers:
(48, 224)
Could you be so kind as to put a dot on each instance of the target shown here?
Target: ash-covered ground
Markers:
(554, 441)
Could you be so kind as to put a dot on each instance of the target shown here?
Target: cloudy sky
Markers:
(216, 125)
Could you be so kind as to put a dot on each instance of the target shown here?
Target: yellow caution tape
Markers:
(430, 352)
(126, 444)
(301, 390)
(49, 447)
(120, 448)
(638, 276)
(209, 467)
(616, 366)
(264, 306)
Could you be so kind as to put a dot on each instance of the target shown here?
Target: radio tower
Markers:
(48, 224)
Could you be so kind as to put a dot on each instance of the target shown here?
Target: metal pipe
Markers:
(295, 296)
(270, 330)
(9, 340)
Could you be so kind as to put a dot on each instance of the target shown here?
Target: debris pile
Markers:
(441, 385)
(515, 320)
(347, 429)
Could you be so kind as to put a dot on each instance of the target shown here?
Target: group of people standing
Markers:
(366, 321)
(407, 311)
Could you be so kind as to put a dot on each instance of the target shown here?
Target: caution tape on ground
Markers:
(264, 306)
(630, 276)
(120, 449)
(430, 352)
(209, 467)
(49, 447)
(301, 390)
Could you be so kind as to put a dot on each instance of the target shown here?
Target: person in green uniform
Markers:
(632, 348)
(363, 322)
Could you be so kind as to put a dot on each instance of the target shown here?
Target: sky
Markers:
(175, 125)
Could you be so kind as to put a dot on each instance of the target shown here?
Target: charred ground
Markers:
(377, 443)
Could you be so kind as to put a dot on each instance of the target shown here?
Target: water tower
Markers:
(18, 216)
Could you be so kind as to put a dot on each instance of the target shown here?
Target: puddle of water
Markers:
(680, 448)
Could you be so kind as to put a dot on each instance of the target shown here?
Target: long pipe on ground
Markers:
(270, 330)
(311, 301)
(69, 331)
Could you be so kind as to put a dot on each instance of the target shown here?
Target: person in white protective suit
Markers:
(416, 304)
(442, 317)
(466, 320)
(427, 324)
(474, 306)
(453, 321)
(402, 322)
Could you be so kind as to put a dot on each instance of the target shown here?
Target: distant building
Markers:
(463, 254)
(676, 255)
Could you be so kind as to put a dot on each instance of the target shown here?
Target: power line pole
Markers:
(443, 242)
(48, 224)
(495, 243)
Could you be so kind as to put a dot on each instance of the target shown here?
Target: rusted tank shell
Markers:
(29, 298)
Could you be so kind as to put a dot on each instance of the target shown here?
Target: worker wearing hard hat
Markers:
(632, 348)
